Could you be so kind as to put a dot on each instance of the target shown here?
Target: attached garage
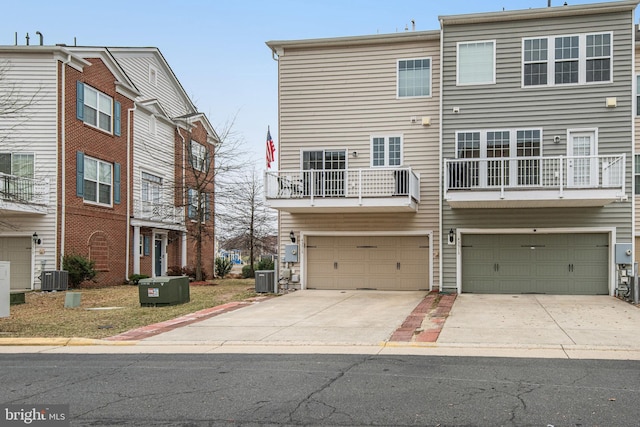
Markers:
(367, 262)
(17, 250)
(567, 264)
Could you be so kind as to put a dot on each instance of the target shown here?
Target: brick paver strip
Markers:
(425, 312)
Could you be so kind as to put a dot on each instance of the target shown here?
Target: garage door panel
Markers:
(541, 263)
(368, 262)
(17, 250)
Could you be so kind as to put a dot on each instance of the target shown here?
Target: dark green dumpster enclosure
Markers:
(163, 290)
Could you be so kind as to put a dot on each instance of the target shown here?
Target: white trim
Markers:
(111, 184)
(611, 231)
(430, 78)
(303, 251)
(458, 44)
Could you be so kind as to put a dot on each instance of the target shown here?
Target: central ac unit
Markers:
(54, 280)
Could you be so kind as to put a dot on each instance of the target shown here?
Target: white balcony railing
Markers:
(23, 194)
(158, 212)
(358, 185)
(559, 175)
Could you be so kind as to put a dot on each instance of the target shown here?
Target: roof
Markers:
(541, 13)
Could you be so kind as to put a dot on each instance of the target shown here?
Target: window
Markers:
(152, 125)
(194, 209)
(97, 181)
(414, 77)
(97, 109)
(151, 194)
(18, 164)
(497, 157)
(574, 59)
(476, 63)
(386, 151)
(638, 95)
(636, 175)
(145, 245)
(199, 157)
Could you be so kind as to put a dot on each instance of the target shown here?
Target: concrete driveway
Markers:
(542, 320)
(305, 317)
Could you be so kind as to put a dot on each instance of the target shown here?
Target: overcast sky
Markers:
(217, 48)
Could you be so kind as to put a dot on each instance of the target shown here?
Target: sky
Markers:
(217, 48)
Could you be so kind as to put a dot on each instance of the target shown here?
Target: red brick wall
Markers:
(199, 134)
(91, 230)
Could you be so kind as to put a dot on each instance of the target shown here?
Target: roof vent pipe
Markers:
(413, 25)
(16, 39)
(41, 38)
(27, 39)
(549, 3)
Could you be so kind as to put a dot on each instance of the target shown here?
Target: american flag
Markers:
(271, 149)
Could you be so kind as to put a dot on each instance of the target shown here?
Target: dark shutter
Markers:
(116, 118)
(116, 183)
(80, 100)
(79, 174)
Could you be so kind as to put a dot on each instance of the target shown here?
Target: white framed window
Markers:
(476, 63)
(192, 205)
(199, 156)
(636, 175)
(386, 151)
(18, 164)
(567, 59)
(414, 78)
(98, 109)
(638, 95)
(98, 181)
(151, 188)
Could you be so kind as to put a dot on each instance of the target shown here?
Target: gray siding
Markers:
(341, 96)
(553, 109)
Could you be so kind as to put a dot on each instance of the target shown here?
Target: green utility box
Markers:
(163, 290)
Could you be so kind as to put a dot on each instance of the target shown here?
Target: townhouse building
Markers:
(522, 148)
(68, 154)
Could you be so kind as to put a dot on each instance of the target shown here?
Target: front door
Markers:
(157, 262)
(324, 173)
(582, 163)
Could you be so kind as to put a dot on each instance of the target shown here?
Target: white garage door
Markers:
(568, 264)
(17, 250)
(368, 262)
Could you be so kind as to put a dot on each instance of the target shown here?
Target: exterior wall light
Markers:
(292, 236)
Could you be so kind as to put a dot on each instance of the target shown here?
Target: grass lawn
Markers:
(44, 315)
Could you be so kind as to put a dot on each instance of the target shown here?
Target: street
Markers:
(258, 389)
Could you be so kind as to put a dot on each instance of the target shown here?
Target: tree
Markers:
(245, 213)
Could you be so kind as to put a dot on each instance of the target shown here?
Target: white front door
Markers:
(582, 160)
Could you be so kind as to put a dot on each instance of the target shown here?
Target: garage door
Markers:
(17, 250)
(367, 262)
(568, 264)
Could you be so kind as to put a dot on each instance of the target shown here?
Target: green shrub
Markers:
(135, 278)
(265, 264)
(248, 272)
(79, 268)
(223, 267)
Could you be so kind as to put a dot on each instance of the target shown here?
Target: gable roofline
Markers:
(188, 120)
(154, 51)
(59, 52)
(540, 13)
(124, 85)
(278, 45)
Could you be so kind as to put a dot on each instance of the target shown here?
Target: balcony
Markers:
(158, 214)
(23, 195)
(531, 182)
(343, 190)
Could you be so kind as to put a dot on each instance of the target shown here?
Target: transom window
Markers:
(414, 77)
(386, 151)
(97, 181)
(562, 60)
(98, 108)
(476, 63)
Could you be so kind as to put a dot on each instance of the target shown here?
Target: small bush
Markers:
(223, 267)
(265, 264)
(79, 268)
(191, 272)
(134, 279)
(248, 272)
(174, 270)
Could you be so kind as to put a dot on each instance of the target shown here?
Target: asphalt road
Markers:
(252, 390)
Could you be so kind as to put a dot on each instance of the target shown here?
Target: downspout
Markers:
(440, 163)
(130, 111)
(183, 249)
(63, 163)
